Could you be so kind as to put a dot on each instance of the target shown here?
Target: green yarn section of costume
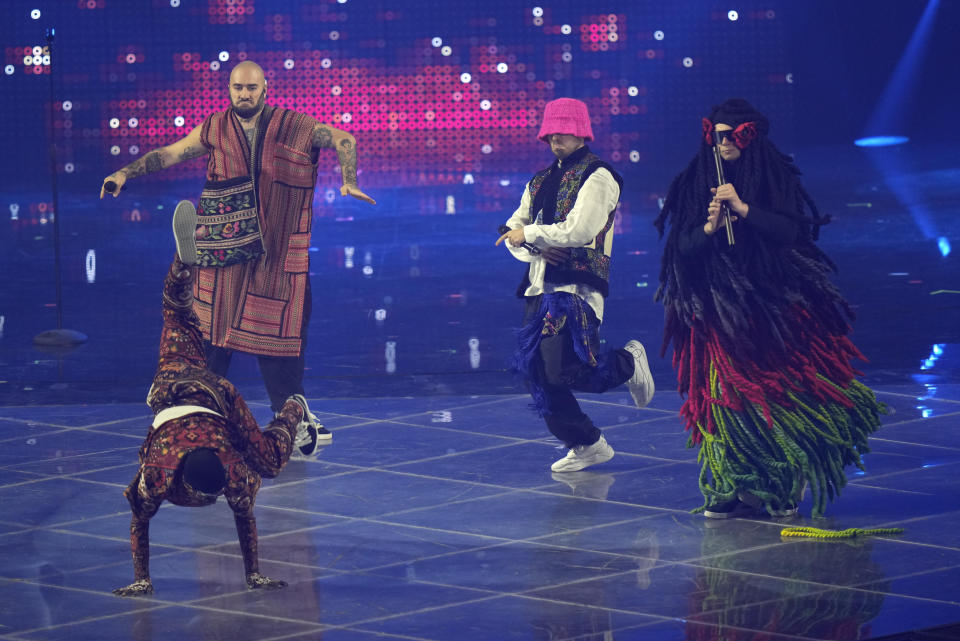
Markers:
(810, 441)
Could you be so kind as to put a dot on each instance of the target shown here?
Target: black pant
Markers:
(562, 372)
(282, 375)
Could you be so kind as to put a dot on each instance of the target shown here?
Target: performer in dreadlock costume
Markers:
(759, 332)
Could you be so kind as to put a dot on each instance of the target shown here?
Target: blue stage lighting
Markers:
(944, 246)
(880, 141)
(893, 106)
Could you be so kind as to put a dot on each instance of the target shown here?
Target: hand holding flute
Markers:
(725, 218)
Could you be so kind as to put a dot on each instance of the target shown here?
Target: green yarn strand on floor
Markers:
(850, 533)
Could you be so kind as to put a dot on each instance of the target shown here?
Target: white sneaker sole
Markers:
(184, 230)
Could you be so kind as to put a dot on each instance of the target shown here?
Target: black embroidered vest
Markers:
(589, 265)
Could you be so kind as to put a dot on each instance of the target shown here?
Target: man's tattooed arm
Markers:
(327, 137)
(146, 164)
(347, 154)
(190, 146)
(160, 159)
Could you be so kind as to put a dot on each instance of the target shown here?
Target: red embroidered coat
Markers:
(258, 306)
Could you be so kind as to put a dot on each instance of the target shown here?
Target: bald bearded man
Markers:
(262, 306)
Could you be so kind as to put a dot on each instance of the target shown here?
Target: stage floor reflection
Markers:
(437, 517)
(433, 516)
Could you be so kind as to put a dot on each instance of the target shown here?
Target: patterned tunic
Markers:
(258, 306)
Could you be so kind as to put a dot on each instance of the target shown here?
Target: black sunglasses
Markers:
(720, 134)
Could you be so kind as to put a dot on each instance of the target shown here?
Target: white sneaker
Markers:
(184, 230)
(641, 383)
(583, 456)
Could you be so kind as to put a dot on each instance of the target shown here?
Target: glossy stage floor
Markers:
(433, 515)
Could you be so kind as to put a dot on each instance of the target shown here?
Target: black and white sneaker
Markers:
(732, 509)
(184, 231)
(324, 435)
(783, 511)
(306, 440)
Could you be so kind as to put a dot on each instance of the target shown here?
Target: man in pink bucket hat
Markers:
(563, 230)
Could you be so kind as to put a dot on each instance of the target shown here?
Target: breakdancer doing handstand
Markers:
(204, 441)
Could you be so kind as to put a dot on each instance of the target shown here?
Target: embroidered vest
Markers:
(590, 264)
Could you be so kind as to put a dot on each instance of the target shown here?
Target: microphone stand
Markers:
(58, 337)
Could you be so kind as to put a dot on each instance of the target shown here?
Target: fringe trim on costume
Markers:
(556, 310)
(768, 445)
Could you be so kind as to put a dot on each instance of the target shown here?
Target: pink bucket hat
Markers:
(566, 116)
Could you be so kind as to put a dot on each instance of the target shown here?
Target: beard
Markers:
(249, 110)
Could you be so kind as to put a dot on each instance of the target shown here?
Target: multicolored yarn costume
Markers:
(759, 334)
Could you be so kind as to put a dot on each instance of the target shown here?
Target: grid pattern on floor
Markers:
(437, 518)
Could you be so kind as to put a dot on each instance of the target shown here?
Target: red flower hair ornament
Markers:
(742, 136)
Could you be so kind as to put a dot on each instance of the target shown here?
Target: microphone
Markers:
(503, 229)
(111, 187)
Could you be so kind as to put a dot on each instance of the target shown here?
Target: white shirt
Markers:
(179, 411)
(597, 198)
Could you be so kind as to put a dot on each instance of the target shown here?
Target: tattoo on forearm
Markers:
(148, 164)
(322, 137)
(192, 152)
(153, 162)
(347, 154)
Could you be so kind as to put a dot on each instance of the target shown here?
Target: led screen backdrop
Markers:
(445, 99)
(438, 93)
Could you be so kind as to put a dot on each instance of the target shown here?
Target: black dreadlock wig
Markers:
(762, 175)
(746, 287)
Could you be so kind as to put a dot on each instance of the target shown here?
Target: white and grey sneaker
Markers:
(641, 383)
(583, 456)
(184, 230)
